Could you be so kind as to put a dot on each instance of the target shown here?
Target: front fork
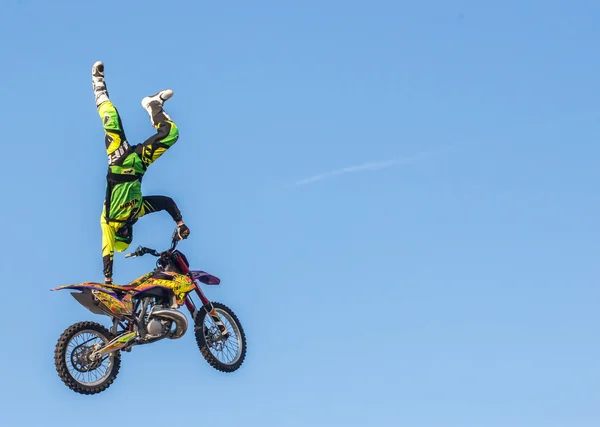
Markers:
(208, 307)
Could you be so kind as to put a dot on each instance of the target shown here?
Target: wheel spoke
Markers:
(84, 370)
(226, 351)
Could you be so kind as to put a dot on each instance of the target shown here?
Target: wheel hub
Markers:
(81, 358)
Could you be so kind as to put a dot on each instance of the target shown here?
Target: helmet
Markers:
(123, 237)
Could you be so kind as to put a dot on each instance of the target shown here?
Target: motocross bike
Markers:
(88, 355)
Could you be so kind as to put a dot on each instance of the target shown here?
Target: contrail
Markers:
(364, 167)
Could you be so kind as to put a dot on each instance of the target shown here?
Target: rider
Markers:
(127, 164)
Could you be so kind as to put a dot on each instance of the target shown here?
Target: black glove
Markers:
(183, 231)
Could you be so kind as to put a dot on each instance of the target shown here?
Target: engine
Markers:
(161, 321)
(158, 327)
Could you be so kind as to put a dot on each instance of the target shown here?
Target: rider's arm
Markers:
(161, 203)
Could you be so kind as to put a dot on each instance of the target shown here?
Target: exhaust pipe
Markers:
(181, 323)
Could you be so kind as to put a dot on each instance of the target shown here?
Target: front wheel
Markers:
(223, 354)
(72, 361)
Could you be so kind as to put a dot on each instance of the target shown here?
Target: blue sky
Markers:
(400, 199)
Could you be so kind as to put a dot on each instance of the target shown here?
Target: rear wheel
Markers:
(223, 354)
(72, 361)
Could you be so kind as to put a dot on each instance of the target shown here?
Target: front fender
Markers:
(204, 277)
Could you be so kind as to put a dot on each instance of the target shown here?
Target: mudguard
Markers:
(87, 285)
(86, 299)
(206, 278)
(100, 298)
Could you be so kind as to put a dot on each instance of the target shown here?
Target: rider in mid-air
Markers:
(127, 164)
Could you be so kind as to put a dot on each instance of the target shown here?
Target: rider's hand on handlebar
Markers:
(182, 231)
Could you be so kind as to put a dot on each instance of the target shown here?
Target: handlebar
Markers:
(141, 250)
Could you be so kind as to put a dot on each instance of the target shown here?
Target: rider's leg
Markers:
(108, 246)
(117, 146)
(167, 133)
(116, 236)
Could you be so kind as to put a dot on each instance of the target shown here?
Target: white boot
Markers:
(98, 83)
(154, 106)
